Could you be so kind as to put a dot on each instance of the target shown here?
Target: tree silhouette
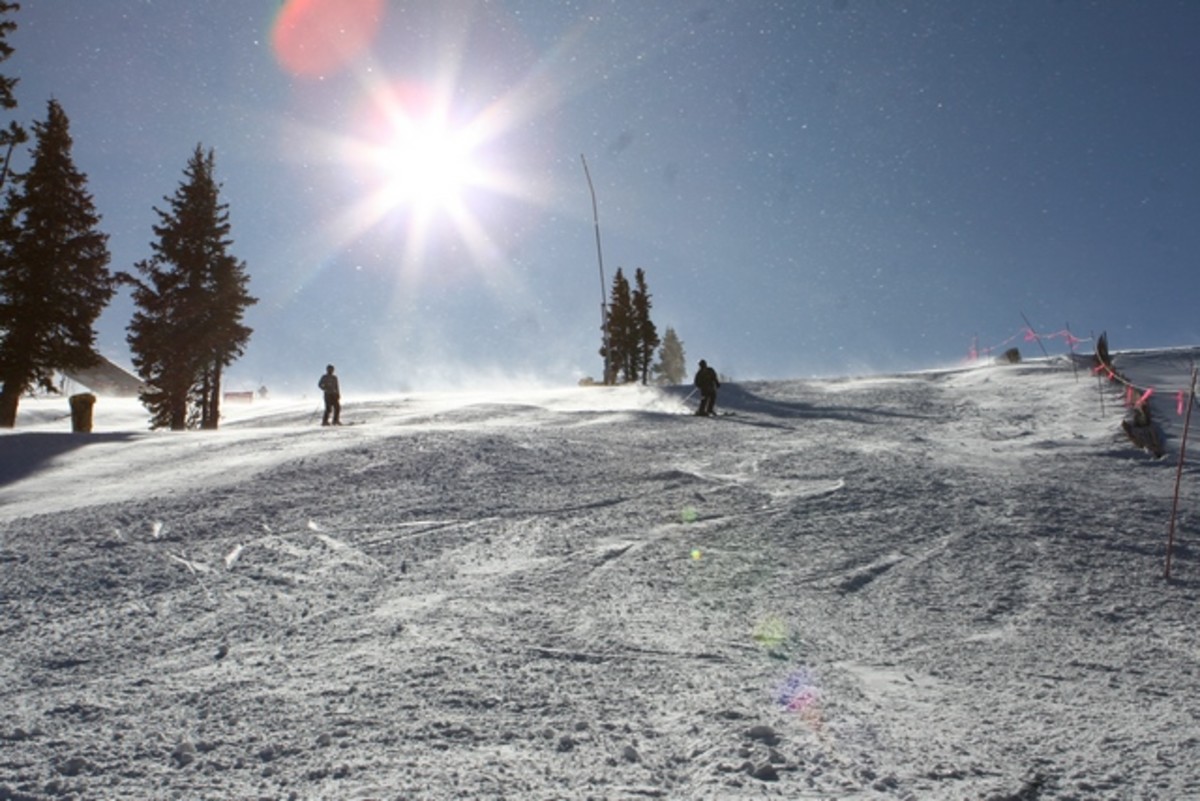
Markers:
(191, 303)
(645, 333)
(621, 341)
(54, 278)
(630, 336)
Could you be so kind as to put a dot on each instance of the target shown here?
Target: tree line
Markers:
(190, 293)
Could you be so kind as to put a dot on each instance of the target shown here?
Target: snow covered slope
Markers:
(944, 585)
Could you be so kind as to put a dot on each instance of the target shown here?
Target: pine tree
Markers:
(188, 326)
(672, 365)
(631, 336)
(13, 135)
(620, 357)
(54, 278)
(646, 334)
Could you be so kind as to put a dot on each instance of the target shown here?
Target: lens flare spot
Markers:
(697, 554)
(800, 695)
(312, 38)
(770, 633)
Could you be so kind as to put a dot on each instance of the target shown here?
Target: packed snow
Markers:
(938, 585)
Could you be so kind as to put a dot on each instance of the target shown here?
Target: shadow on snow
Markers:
(741, 399)
(24, 454)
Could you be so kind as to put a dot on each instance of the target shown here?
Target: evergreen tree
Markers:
(646, 334)
(188, 326)
(13, 135)
(54, 278)
(631, 335)
(620, 357)
(672, 365)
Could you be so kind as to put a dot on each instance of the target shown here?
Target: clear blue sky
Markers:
(822, 187)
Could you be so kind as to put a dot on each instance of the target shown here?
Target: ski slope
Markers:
(938, 585)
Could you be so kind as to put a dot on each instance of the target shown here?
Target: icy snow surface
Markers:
(943, 585)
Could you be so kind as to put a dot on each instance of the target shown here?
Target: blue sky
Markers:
(825, 188)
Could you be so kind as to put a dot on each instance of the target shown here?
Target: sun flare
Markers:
(427, 164)
(434, 173)
(440, 176)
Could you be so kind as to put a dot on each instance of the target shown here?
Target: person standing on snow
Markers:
(333, 397)
(706, 381)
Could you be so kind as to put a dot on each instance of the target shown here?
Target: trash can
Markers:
(81, 412)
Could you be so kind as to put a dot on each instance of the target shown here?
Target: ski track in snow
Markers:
(944, 585)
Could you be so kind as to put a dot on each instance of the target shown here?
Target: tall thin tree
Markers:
(645, 332)
(54, 278)
(620, 332)
(191, 301)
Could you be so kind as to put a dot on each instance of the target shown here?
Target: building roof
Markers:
(106, 378)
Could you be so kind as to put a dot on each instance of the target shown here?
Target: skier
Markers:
(333, 397)
(706, 381)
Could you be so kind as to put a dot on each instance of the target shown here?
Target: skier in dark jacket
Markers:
(706, 381)
(333, 397)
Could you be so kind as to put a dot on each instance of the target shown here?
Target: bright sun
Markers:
(434, 175)
(423, 168)
(436, 169)
(427, 165)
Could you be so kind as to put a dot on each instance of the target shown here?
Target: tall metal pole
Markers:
(600, 258)
(1179, 474)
